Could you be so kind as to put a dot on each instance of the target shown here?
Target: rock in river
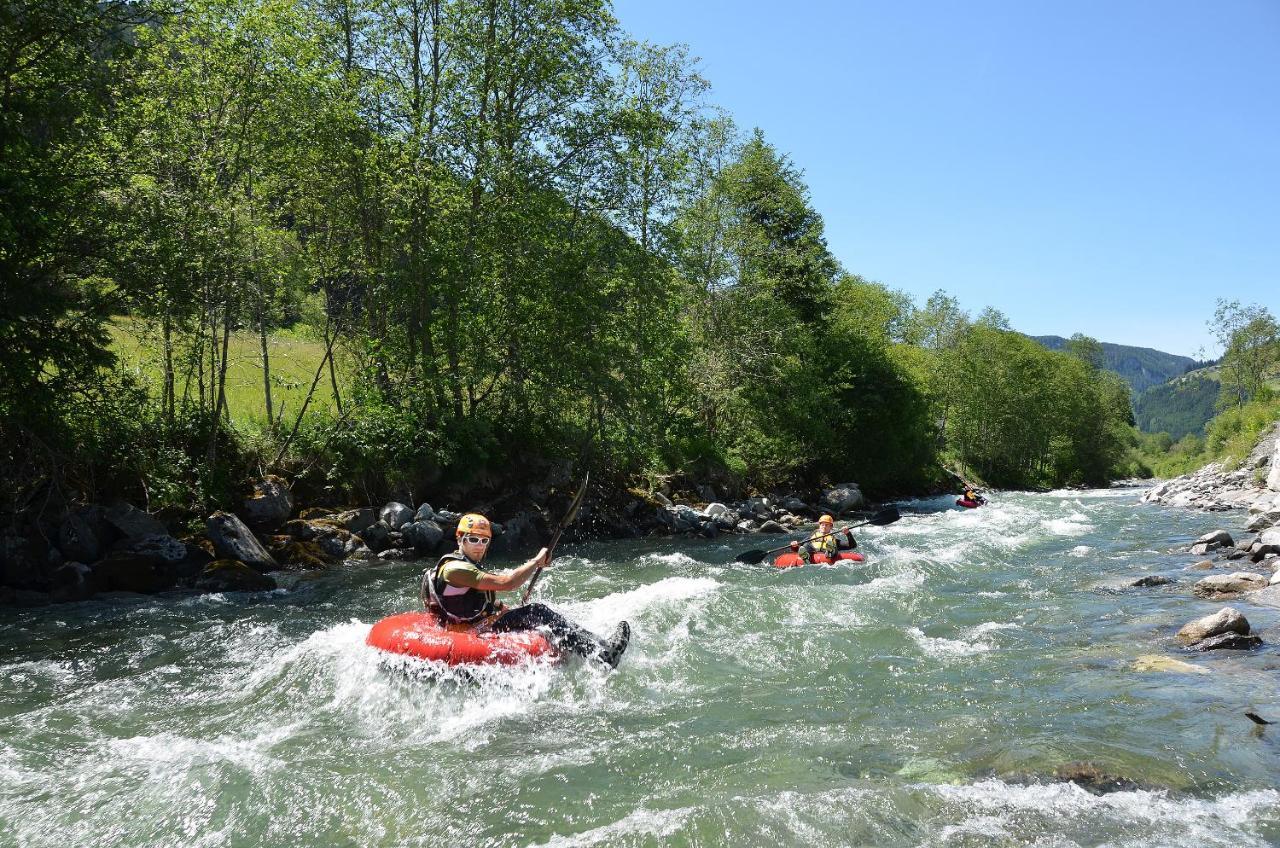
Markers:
(1225, 620)
(1218, 585)
(233, 541)
(229, 575)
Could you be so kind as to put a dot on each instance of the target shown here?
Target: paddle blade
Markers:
(888, 515)
(751, 557)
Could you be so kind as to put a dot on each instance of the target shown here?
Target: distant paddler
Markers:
(464, 597)
(827, 541)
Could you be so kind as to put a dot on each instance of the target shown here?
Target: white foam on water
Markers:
(991, 627)
(668, 560)
(654, 824)
(941, 648)
(1158, 818)
(161, 753)
(1073, 525)
(971, 643)
(602, 614)
(1080, 551)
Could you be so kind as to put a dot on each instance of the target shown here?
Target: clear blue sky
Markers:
(1101, 167)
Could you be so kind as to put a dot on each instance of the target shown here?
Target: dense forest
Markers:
(519, 237)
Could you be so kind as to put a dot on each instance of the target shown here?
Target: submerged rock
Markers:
(1156, 662)
(1093, 778)
(1225, 620)
(229, 575)
(1151, 580)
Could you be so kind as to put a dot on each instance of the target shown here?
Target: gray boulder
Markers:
(1151, 580)
(396, 515)
(715, 510)
(161, 548)
(232, 540)
(1264, 519)
(842, 498)
(133, 523)
(358, 520)
(269, 504)
(748, 526)
(1211, 542)
(377, 536)
(1217, 585)
(395, 555)
(727, 522)
(229, 575)
(1225, 620)
(793, 504)
(423, 536)
(424, 513)
(772, 527)
(85, 535)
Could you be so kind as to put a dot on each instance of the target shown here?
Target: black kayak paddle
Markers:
(888, 515)
(570, 514)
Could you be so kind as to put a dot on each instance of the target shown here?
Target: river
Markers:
(923, 698)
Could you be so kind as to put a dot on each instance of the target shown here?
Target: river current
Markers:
(925, 697)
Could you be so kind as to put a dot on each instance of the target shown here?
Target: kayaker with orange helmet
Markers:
(825, 541)
(464, 596)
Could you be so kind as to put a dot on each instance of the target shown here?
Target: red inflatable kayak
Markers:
(794, 561)
(967, 504)
(419, 634)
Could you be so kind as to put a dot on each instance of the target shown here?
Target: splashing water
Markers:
(924, 697)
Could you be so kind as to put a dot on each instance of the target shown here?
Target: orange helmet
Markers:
(826, 519)
(474, 523)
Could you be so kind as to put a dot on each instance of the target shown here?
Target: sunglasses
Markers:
(476, 540)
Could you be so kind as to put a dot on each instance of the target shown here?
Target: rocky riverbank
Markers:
(1253, 560)
(72, 553)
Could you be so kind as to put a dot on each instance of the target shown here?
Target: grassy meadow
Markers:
(295, 354)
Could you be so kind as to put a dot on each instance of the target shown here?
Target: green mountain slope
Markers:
(1181, 406)
(1141, 367)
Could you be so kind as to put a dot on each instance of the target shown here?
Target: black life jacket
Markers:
(455, 603)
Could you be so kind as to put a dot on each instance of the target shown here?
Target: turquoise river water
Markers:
(924, 698)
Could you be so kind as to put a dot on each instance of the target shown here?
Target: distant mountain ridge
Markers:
(1140, 367)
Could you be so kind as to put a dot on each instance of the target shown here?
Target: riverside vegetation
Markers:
(515, 241)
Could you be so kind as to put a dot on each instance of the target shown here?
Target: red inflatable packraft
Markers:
(419, 634)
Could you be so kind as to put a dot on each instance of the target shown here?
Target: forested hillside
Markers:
(1181, 406)
(514, 240)
(1141, 367)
